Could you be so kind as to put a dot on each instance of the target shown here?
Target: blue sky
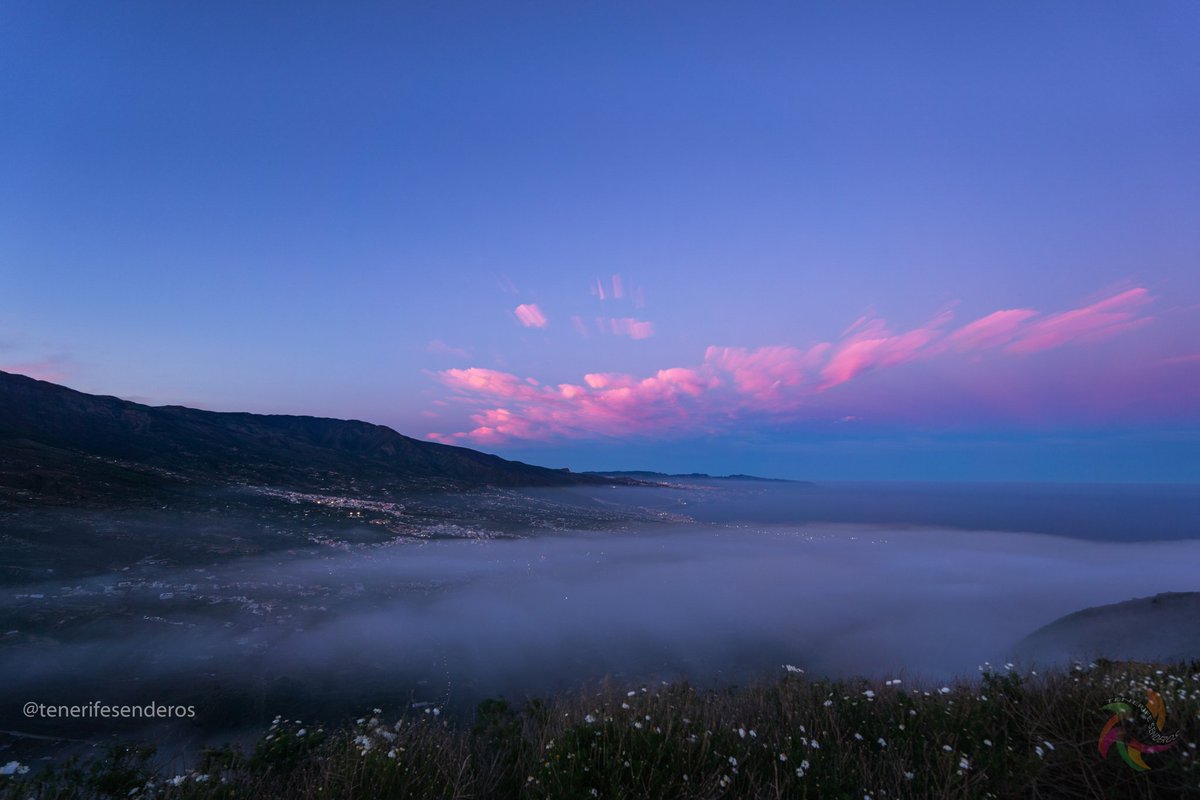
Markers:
(945, 241)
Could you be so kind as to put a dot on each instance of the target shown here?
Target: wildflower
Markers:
(589, 719)
(625, 705)
(742, 732)
(858, 736)
(948, 748)
(944, 690)
(908, 776)
(882, 742)
(827, 703)
(1040, 752)
(964, 763)
(732, 761)
(14, 768)
(790, 668)
(783, 756)
(302, 731)
(987, 742)
(392, 753)
(1048, 745)
(869, 694)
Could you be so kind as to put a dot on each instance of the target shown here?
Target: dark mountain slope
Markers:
(56, 442)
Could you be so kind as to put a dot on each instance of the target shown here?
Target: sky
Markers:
(942, 241)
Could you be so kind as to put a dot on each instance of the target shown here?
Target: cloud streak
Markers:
(529, 315)
(774, 383)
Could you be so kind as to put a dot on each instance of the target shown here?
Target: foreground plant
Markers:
(1003, 735)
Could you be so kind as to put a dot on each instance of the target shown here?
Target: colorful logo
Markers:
(1136, 728)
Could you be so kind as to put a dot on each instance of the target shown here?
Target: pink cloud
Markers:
(530, 315)
(870, 346)
(763, 373)
(441, 348)
(1097, 321)
(997, 328)
(782, 382)
(45, 370)
(633, 328)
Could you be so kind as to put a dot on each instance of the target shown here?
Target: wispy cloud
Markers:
(633, 328)
(1097, 321)
(778, 382)
(529, 315)
(441, 348)
(52, 370)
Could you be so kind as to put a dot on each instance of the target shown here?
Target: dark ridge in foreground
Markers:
(1007, 735)
(58, 445)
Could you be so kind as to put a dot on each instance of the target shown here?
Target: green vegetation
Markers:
(1006, 735)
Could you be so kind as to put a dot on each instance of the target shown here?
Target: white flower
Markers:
(827, 703)
(14, 768)
(1048, 745)
(908, 776)
(987, 742)
(790, 668)
(1040, 752)
(742, 732)
(963, 763)
(882, 742)
(948, 748)
(589, 719)
(732, 761)
(858, 736)
(783, 756)
(392, 753)
(869, 694)
(944, 690)
(302, 731)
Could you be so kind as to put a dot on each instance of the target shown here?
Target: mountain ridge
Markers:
(55, 441)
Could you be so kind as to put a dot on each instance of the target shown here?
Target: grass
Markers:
(1006, 735)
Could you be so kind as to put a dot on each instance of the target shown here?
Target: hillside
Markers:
(1164, 627)
(58, 445)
